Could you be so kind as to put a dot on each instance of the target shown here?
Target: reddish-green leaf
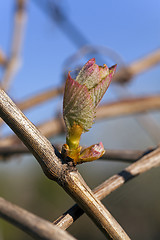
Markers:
(77, 105)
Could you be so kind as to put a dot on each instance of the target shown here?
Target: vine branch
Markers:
(30, 223)
(147, 162)
(13, 62)
(57, 169)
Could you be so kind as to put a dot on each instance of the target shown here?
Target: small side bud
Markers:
(92, 153)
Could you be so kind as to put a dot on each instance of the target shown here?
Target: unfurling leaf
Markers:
(81, 97)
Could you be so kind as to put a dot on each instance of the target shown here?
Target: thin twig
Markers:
(40, 98)
(57, 169)
(30, 223)
(145, 121)
(135, 106)
(137, 67)
(16, 44)
(50, 128)
(147, 162)
(145, 63)
(129, 106)
(3, 59)
(128, 156)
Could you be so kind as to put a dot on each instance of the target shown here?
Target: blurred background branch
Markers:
(3, 59)
(14, 60)
(137, 67)
(129, 156)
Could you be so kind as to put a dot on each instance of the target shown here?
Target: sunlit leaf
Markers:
(77, 105)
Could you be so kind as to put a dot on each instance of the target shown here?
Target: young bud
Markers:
(81, 97)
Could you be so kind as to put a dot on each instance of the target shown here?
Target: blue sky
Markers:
(131, 28)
